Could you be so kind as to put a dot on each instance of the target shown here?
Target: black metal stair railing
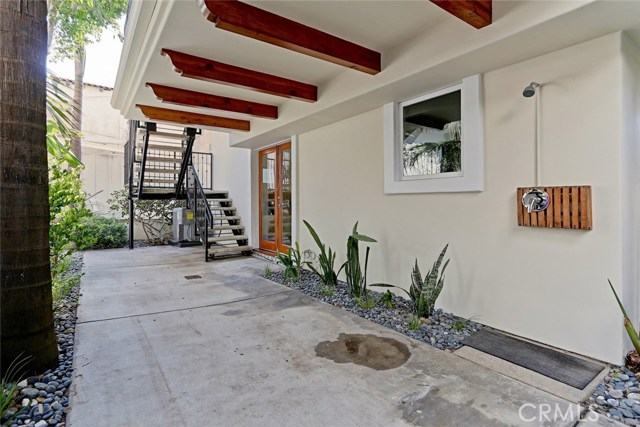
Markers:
(197, 201)
(186, 159)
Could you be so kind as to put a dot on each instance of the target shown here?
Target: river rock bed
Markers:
(442, 330)
(44, 400)
(618, 397)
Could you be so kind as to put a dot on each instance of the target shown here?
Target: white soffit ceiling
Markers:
(413, 36)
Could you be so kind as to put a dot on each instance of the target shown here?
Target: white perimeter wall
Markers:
(630, 176)
(545, 284)
(231, 172)
(103, 174)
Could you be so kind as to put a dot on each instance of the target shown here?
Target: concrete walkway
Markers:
(231, 349)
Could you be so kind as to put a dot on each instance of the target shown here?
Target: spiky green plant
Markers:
(459, 325)
(292, 262)
(356, 277)
(266, 271)
(414, 323)
(387, 299)
(424, 292)
(9, 389)
(326, 261)
(631, 331)
(367, 301)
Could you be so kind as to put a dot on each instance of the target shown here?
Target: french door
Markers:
(275, 197)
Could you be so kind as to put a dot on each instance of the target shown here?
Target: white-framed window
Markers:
(435, 142)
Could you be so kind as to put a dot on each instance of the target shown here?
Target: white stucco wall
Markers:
(104, 133)
(630, 177)
(545, 284)
(103, 173)
(231, 172)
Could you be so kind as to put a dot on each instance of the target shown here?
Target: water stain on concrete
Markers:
(428, 408)
(233, 312)
(372, 351)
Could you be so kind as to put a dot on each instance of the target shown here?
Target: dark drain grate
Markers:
(195, 276)
(566, 368)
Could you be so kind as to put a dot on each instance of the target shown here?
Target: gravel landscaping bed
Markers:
(442, 330)
(618, 397)
(46, 397)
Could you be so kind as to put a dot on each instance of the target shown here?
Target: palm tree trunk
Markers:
(26, 315)
(78, 86)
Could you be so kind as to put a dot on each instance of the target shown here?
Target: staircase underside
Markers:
(158, 159)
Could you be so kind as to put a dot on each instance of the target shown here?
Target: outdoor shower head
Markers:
(530, 90)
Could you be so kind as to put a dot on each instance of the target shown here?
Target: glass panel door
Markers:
(275, 198)
(268, 199)
(285, 206)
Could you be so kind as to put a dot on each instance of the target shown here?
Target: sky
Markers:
(102, 62)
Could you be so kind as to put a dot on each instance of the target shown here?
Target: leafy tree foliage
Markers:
(155, 216)
(72, 25)
(67, 208)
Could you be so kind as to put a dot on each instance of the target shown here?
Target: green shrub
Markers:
(98, 232)
(63, 285)
(66, 209)
(155, 216)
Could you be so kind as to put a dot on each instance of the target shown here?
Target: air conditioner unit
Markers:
(184, 225)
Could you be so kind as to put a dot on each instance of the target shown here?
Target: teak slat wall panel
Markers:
(569, 207)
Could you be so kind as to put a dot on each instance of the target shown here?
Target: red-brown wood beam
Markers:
(211, 71)
(250, 21)
(188, 98)
(192, 119)
(477, 13)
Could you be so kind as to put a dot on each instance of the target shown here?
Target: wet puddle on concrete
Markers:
(374, 352)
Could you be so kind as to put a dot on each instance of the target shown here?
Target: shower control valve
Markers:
(535, 200)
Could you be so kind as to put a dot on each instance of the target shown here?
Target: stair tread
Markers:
(223, 208)
(211, 193)
(163, 159)
(165, 171)
(225, 217)
(226, 227)
(160, 180)
(227, 237)
(229, 249)
(176, 148)
(178, 136)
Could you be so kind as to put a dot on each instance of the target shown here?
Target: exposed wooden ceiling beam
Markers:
(477, 13)
(250, 21)
(188, 98)
(193, 119)
(217, 72)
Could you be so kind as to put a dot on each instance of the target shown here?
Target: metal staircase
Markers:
(159, 166)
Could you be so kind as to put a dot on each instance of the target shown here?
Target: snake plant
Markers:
(326, 261)
(356, 277)
(425, 292)
(292, 262)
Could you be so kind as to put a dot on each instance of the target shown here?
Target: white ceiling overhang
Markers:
(423, 48)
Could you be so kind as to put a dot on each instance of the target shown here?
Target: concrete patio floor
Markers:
(234, 349)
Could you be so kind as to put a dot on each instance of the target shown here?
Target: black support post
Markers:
(131, 213)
